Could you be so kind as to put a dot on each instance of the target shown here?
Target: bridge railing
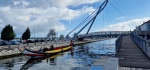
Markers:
(118, 42)
(142, 43)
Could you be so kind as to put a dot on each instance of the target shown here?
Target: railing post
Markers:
(142, 43)
(147, 46)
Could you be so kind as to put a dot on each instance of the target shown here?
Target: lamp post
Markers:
(34, 32)
(34, 36)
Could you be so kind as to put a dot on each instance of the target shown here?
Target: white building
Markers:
(145, 26)
(143, 29)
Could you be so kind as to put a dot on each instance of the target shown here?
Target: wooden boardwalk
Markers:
(130, 68)
(131, 56)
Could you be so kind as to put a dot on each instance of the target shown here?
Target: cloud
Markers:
(21, 4)
(125, 26)
(1, 24)
(122, 17)
(41, 15)
(1, 21)
(66, 3)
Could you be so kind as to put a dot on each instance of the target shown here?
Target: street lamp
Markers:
(34, 36)
(34, 32)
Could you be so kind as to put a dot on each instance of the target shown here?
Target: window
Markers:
(148, 27)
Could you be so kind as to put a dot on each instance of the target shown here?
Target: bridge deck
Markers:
(130, 55)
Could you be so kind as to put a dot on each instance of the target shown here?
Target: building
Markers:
(137, 28)
(145, 26)
(143, 30)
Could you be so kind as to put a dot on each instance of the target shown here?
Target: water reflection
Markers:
(31, 62)
(10, 63)
(52, 61)
(79, 58)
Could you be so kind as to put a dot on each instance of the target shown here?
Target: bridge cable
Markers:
(108, 17)
(103, 20)
(127, 18)
(109, 22)
(89, 17)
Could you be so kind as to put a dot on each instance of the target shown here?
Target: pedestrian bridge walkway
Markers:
(130, 55)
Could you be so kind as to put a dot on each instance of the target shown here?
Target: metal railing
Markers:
(142, 43)
(118, 42)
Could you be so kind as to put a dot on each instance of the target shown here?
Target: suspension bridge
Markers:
(132, 51)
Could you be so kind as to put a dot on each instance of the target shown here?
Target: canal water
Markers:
(80, 57)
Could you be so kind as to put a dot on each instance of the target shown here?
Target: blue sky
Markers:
(64, 15)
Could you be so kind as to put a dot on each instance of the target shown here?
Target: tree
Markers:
(75, 35)
(52, 34)
(62, 37)
(68, 37)
(7, 33)
(26, 35)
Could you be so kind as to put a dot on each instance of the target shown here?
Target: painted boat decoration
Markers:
(28, 52)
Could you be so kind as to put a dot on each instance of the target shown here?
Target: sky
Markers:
(64, 15)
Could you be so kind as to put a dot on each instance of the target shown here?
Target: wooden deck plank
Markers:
(129, 68)
(130, 55)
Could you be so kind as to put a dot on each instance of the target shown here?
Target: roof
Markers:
(147, 21)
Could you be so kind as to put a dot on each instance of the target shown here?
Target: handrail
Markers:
(118, 42)
(142, 43)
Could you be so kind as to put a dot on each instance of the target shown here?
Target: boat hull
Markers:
(58, 50)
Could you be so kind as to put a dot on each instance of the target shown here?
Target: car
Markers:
(36, 40)
(5, 43)
(0, 43)
(42, 40)
(29, 41)
(14, 42)
(23, 41)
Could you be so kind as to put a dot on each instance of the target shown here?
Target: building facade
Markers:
(145, 26)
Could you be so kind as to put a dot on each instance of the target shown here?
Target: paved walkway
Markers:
(130, 55)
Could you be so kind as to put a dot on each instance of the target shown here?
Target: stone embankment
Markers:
(12, 50)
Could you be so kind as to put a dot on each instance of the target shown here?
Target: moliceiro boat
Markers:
(45, 51)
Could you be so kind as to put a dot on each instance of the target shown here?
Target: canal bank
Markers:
(12, 50)
(80, 58)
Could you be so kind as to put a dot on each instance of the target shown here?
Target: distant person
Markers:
(72, 44)
(52, 47)
(45, 49)
(40, 50)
